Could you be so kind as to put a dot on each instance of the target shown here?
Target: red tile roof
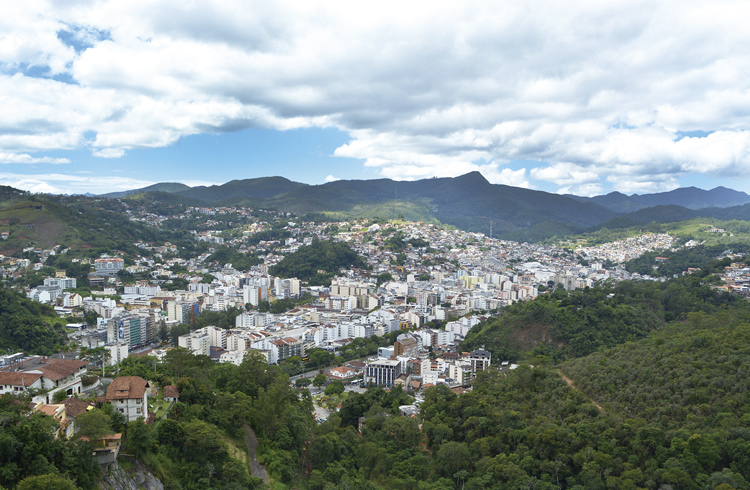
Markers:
(171, 391)
(56, 369)
(19, 379)
(126, 388)
(75, 406)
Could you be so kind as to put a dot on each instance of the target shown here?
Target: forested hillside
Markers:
(318, 262)
(690, 375)
(574, 324)
(28, 448)
(675, 415)
(28, 326)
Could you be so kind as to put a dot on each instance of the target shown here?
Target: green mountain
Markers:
(170, 187)
(471, 203)
(69, 221)
(262, 188)
(688, 197)
(28, 326)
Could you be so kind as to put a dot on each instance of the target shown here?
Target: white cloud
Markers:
(331, 178)
(26, 158)
(598, 91)
(55, 183)
(69, 184)
(109, 153)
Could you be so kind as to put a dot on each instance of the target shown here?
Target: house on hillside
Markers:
(171, 393)
(44, 374)
(128, 395)
(73, 408)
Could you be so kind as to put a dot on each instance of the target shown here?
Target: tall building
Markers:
(131, 329)
(199, 342)
(182, 311)
(109, 265)
(407, 347)
(61, 282)
(382, 372)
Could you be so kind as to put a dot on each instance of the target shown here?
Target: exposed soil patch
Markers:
(252, 443)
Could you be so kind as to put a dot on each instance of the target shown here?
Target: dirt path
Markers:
(252, 443)
(570, 383)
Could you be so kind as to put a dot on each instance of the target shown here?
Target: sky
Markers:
(571, 97)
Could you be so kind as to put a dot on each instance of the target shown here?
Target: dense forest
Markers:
(674, 415)
(240, 261)
(318, 262)
(574, 324)
(28, 449)
(29, 326)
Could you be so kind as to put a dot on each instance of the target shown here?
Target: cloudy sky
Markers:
(580, 97)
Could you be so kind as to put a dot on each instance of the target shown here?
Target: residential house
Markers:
(128, 395)
(44, 374)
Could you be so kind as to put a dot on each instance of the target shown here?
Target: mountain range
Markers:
(469, 202)
(688, 197)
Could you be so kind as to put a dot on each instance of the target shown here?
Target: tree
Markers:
(318, 358)
(302, 382)
(49, 481)
(117, 419)
(138, 437)
(171, 433)
(334, 388)
(383, 278)
(319, 380)
(93, 424)
(59, 396)
(163, 332)
(96, 355)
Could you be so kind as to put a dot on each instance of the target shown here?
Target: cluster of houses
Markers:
(44, 379)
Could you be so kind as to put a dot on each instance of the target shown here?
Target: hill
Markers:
(469, 202)
(577, 323)
(318, 262)
(28, 326)
(682, 366)
(688, 197)
(68, 221)
(671, 412)
(472, 203)
(262, 188)
(168, 187)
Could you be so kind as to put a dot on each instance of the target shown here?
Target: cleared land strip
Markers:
(572, 385)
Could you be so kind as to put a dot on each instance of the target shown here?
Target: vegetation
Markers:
(577, 323)
(736, 232)
(318, 262)
(29, 326)
(239, 261)
(31, 457)
(681, 260)
(197, 447)
(281, 305)
(674, 415)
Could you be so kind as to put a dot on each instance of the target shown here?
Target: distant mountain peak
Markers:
(474, 177)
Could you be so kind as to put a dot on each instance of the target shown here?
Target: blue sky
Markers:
(303, 155)
(573, 98)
